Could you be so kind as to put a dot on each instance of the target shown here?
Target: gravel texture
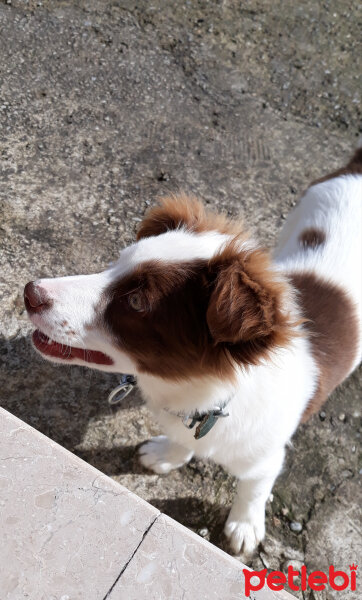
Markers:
(103, 107)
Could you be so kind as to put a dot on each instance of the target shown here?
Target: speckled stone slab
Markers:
(68, 532)
(174, 563)
(66, 529)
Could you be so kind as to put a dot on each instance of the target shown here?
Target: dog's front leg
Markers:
(245, 526)
(161, 455)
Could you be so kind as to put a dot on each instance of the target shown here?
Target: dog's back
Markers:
(321, 251)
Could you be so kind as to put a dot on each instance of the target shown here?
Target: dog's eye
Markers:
(135, 302)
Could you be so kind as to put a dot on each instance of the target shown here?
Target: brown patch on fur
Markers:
(333, 328)
(353, 167)
(169, 338)
(179, 211)
(201, 317)
(312, 237)
(245, 312)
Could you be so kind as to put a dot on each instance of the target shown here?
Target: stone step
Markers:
(69, 532)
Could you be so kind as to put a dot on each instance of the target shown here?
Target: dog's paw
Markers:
(161, 456)
(244, 536)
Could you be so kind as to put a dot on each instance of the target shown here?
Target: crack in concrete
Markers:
(131, 557)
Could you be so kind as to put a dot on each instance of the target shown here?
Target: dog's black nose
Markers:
(35, 297)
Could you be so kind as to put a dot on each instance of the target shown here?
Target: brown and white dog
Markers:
(211, 325)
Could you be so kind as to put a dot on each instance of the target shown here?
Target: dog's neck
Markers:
(254, 384)
(200, 394)
(205, 393)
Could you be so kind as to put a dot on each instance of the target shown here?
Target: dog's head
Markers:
(193, 296)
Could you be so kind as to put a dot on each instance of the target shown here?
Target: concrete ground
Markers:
(104, 105)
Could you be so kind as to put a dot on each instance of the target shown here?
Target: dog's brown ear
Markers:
(244, 312)
(172, 213)
(240, 309)
(181, 211)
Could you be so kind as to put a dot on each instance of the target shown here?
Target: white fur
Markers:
(267, 401)
(172, 246)
(335, 207)
(266, 406)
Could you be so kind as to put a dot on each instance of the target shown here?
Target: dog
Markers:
(232, 348)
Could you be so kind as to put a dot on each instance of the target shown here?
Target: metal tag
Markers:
(122, 390)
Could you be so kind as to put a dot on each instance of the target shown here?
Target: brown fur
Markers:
(353, 167)
(199, 317)
(245, 310)
(312, 237)
(180, 210)
(333, 326)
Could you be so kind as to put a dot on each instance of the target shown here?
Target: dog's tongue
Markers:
(56, 350)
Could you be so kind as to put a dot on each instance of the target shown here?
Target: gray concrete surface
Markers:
(104, 105)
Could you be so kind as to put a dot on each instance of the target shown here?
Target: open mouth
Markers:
(49, 347)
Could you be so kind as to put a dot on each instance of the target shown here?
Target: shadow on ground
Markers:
(59, 401)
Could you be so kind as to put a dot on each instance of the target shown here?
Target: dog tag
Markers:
(122, 390)
(207, 423)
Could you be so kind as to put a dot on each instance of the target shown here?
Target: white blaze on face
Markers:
(173, 246)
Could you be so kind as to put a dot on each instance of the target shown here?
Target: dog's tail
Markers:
(355, 164)
(353, 167)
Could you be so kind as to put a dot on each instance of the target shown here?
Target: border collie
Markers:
(232, 348)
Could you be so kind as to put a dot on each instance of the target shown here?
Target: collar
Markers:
(205, 419)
